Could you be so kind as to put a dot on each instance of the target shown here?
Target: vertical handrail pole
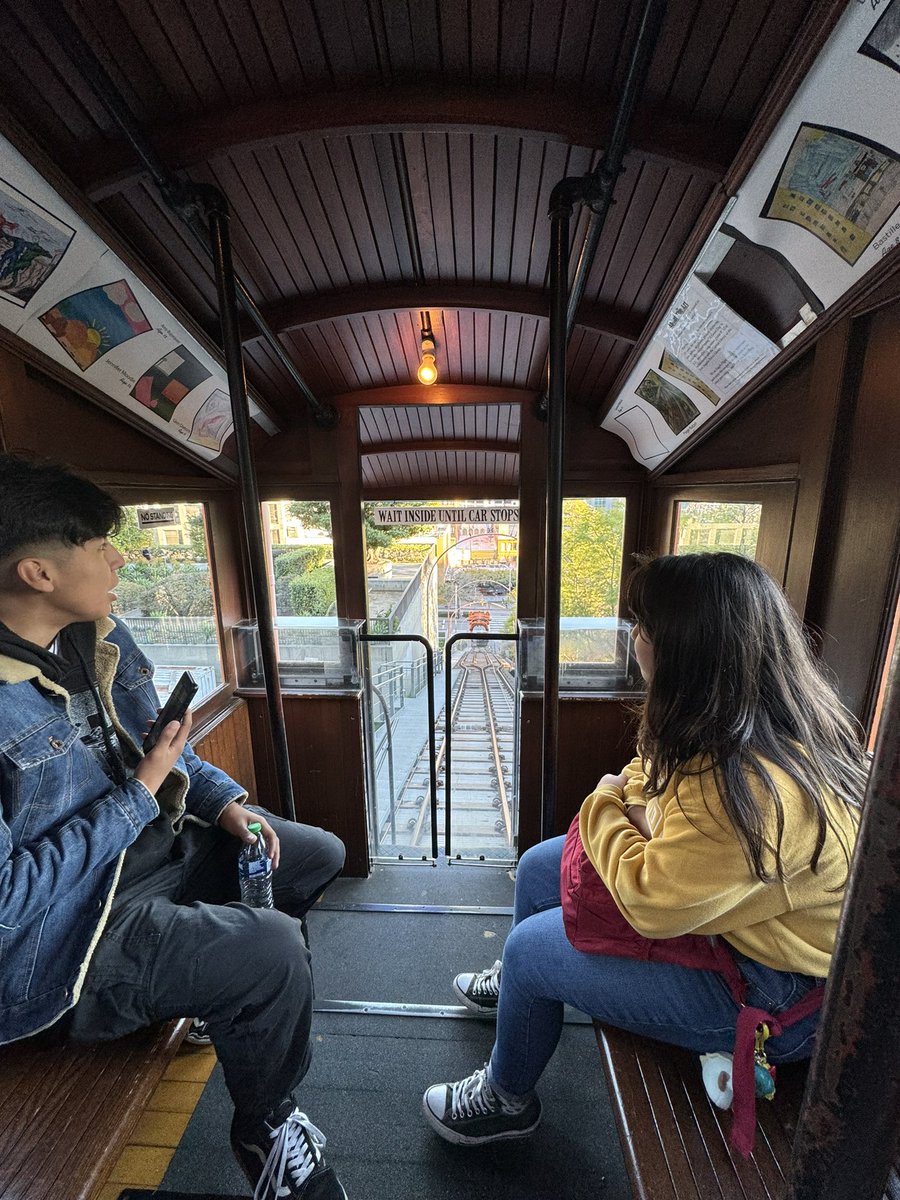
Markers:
(220, 244)
(846, 1135)
(560, 214)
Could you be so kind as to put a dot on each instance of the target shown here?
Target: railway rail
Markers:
(482, 726)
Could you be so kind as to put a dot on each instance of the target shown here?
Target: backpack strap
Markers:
(743, 1129)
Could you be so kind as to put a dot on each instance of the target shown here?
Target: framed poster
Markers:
(32, 244)
(883, 42)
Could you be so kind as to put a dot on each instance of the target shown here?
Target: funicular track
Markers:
(482, 723)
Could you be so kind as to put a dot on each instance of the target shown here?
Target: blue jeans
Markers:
(542, 971)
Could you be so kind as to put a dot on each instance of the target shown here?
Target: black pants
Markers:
(179, 944)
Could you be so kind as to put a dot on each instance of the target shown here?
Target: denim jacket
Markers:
(64, 827)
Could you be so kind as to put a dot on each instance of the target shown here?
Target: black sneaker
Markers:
(480, 992)
(283, 1159)
(198, 1034)
(471, 1113)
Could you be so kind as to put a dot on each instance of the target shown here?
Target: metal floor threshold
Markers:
(483, 910)
(383, 1008)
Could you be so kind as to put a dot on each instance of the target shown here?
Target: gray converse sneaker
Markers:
(471, 1113)
(283, 1158)
(480, 992)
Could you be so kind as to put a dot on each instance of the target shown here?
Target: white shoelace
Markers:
(472, 1097)
(487, 983)
(291, 1153)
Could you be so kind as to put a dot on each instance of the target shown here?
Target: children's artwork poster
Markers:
(883, 42)
(840, 187)
(32, 244)
(823, 197)
(212, 423)
(93, 322)
(70, 296)
(163, 387)
(825, 190)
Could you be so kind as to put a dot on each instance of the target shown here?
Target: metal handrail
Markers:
(432, 754)
(448, 701)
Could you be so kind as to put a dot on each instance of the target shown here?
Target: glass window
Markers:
(703, 526)
(301, 558)
(593, 540)
(165, 596)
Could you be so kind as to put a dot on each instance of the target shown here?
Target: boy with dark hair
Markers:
(118, 870)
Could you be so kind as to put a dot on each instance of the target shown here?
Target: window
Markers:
(165, 596)
(704, 525)
(593, 540)
(302, 568)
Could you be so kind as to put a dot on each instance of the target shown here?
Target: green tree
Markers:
(316, 514)
(312, 593)
(592, 540)
(130, 539)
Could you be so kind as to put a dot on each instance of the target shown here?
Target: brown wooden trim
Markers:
(107, 167)
(811, 37)
(347, 526)
(438, 393)
(778, 501)
(776, 473)
(426, 445)
(439, 491)
(352, 302)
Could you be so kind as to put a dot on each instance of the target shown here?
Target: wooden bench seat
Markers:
(675, 1141)
(67, 1112)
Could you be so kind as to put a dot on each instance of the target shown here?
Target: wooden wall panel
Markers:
(854, 605)
(326, 751)
(42, 416)
(607, 726)
(226, 743)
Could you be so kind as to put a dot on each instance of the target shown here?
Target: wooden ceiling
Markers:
(382, 157)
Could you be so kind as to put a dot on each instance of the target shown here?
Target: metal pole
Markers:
(600, 184)
(846, 1138)
(228, 316)
(560, 213)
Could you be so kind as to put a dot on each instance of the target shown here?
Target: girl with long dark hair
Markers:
(703, 881)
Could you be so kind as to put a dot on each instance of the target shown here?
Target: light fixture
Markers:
(427, 372)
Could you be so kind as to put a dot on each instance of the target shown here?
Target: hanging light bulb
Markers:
(427, 372)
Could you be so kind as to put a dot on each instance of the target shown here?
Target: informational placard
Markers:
(67, 294)
(469, 514)
(817, 210)
(154, 518)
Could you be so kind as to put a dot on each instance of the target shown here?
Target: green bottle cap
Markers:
(255, 827)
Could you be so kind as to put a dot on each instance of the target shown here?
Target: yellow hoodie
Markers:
(692, 876)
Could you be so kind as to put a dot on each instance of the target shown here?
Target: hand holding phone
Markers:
(175, 707)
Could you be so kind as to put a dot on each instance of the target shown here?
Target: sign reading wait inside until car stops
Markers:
(459, 514)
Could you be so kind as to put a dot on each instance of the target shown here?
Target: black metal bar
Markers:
(406, 204)
(846, 1138)
(600, 184)
(252, 513)
(180, 194)
(432, 752)
(389, 751)
(448, 700)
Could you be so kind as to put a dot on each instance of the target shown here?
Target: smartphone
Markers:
(175, 707)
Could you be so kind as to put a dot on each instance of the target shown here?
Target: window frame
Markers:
(778, 501)
(218, 519)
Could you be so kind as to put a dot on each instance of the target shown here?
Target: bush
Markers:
(312, 594)
(296, 562)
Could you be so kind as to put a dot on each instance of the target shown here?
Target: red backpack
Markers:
(594, 925)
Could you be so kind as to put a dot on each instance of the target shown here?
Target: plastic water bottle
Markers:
(255, 871)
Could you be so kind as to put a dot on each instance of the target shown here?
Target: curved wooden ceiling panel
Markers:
(381, 158)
